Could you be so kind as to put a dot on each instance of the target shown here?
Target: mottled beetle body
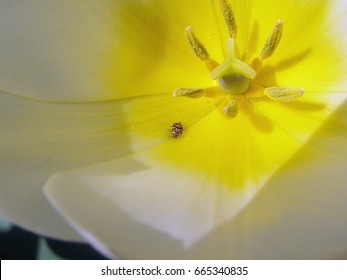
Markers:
(176, 130)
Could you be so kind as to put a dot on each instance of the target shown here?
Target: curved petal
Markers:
(183, 188)
(53, 50)
(150, 118)
(299, 119)
(41, 138)
(242, 153)
(151, 54)
(101, 50)
(300, 214)
(168, 207)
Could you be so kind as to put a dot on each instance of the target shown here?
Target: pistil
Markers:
(233, 74)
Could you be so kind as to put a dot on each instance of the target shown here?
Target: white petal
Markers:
(299, 215)
(54, 50)
(167, 206)
(101, 50)
(41, 138)
(157, 212)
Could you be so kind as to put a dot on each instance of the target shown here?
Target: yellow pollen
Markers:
(189, 92)
(197, 47)
(229, 17)
(283, 94)
(272, 41)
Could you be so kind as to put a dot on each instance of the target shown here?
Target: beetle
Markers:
(176, 129)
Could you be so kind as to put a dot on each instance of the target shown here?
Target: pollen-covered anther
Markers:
(189, 92)
(229, 17)
(283, 94)
(197, 47)
(231, 109)
(272, 41)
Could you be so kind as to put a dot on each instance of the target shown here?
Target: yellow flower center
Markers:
(233, 75)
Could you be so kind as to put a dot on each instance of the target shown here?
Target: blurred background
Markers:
(19, 244)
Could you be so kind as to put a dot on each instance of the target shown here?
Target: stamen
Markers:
(283, 94)
(197, 47)
(231, 109)
(228, 17)
(189, 92)
(272, 41)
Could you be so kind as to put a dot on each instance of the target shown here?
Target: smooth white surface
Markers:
(271, 270)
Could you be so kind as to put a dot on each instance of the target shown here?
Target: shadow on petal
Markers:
(299, 214)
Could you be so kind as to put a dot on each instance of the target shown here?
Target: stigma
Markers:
(233, 76)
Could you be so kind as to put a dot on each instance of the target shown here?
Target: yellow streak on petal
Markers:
(241, 152)
(149, 53)
(301, 117)
(150, 118)
(312, 51)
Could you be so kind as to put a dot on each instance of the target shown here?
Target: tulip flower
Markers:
(177, 129)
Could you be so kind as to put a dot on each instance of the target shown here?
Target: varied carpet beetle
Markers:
(176, 130)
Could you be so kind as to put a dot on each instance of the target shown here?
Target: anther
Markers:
(272, 41)
(231, 109)
(228, 17)
(197, 47)
(283, 94)
(189, 92)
